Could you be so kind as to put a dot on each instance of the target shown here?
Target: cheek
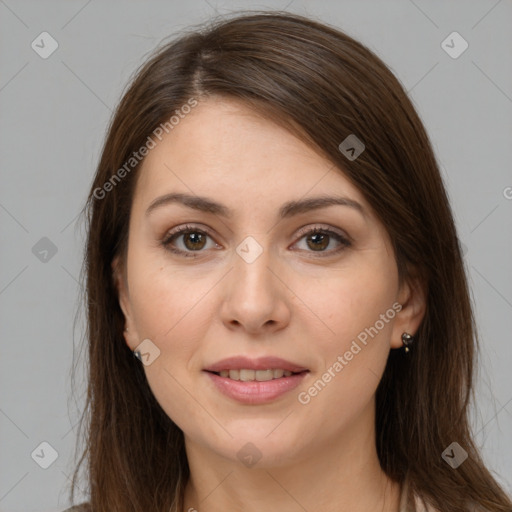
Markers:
(171, 388)
(345, 303)
(351, 361)
(358, 308)
(171, 309)
(167, 302)
(170, 320)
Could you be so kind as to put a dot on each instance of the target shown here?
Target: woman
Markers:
(278, 313)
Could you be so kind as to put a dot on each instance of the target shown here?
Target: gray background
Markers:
(54, 117)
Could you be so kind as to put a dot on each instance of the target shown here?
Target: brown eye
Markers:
(186, 240)
(194, 240)
(317, 240)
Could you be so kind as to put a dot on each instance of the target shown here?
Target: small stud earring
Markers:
(407, 340)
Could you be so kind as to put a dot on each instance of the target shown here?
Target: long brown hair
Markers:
(323, 86)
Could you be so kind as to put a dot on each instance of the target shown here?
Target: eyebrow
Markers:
(287, 210)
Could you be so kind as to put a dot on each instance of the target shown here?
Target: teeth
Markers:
(263, 375)
(246, 375)
(258, 375)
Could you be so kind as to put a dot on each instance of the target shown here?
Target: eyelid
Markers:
(305, 230)
(185, 228)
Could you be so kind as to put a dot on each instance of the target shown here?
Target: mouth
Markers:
(255, 381)
(249, 375)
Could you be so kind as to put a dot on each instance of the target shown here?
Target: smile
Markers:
(247, 375)
(259, 387)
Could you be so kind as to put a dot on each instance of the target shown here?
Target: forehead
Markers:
(223, 148)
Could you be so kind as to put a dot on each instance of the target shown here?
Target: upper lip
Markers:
(260, 363)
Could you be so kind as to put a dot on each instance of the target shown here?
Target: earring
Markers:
(407, 340)
(126, 330)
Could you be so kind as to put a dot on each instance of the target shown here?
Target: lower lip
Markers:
(255, 392)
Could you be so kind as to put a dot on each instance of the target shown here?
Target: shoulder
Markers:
(83, 507)
(421, 506)
(411, 502)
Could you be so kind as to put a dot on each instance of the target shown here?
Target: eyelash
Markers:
(188, 229)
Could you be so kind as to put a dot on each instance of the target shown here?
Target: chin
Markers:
(254, 448)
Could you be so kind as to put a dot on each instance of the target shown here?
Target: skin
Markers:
(290, 302)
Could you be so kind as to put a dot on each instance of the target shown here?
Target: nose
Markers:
(255, 298)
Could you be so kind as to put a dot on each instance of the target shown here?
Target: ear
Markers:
(121, 284)
(412, 298)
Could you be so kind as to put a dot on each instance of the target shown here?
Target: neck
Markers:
(343, 474)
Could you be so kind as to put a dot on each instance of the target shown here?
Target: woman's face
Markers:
(248, 279)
